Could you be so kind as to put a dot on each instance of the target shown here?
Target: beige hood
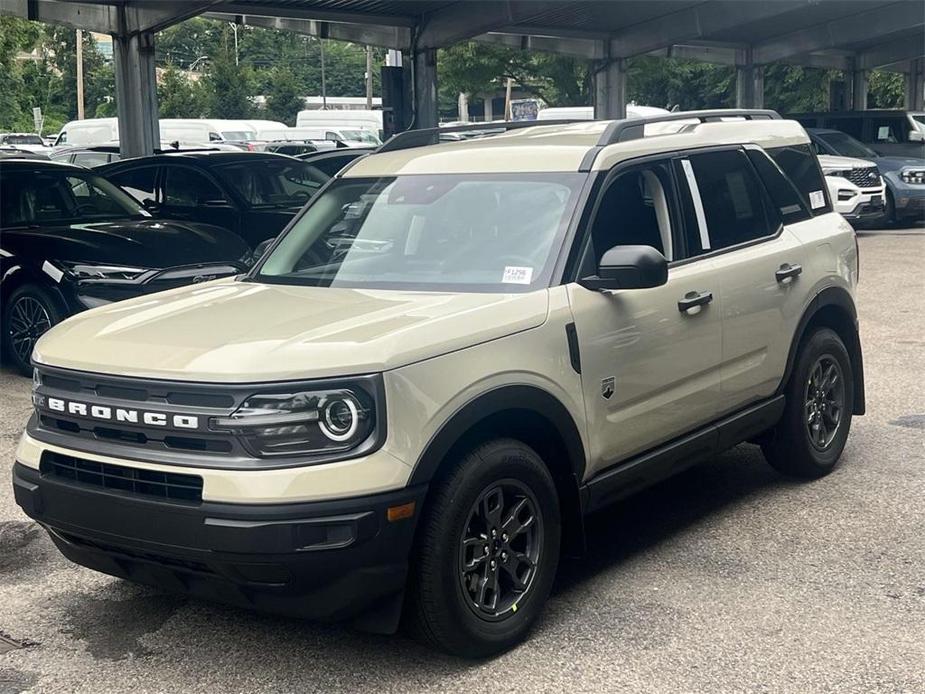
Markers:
(244, 332)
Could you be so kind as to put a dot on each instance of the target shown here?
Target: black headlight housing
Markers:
(328, 420)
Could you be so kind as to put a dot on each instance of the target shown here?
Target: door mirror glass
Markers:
(629, 267)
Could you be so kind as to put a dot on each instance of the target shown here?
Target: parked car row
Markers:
(73, 238)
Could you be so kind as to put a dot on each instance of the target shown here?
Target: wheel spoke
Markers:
(488, 590)
(474, 554)
(492, 506)
(515, 561)
(513, 525)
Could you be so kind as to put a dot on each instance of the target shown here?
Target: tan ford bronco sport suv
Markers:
(454, 353)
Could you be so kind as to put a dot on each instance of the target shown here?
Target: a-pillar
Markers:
(425, 89)
(749, 81)
(915, 85)
(610, 90)
(136, 94)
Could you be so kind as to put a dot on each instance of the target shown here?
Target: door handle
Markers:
(693, 300)
(788, 271)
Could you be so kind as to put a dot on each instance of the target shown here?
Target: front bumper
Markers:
(327, 560)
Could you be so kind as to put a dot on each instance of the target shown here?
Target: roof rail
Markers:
(409, 139)
(634, 128)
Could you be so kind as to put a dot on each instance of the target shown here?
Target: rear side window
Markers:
(800, 165)
(89, 159)
(730, 206)
(187, 188)
(139, 183)
(783, 193)
(888, 130)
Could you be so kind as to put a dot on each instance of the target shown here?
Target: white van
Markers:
(99, 131)
(587, 112)
(348, 119)
(217, 130)
(88, 132)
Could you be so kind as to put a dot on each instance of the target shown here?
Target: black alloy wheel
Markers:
(29, 320)
(500, 549)
(824, 401)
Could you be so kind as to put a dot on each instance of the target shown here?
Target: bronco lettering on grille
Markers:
(120, 414)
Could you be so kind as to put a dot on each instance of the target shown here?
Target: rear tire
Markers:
(486, 553)
(28, 313)
(808, 440)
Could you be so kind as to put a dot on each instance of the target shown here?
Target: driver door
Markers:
(650, 367)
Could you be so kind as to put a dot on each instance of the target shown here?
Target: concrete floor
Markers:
(727, 578)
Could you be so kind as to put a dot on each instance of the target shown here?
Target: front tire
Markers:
(486, 553)
(27, 314)
(809, 439)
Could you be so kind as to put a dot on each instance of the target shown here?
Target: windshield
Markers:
(238, 135)
(919, 120)
(449, 232)
(22, 140)
(45, 197)
(360, 136)
(846, 146)
(273, 182)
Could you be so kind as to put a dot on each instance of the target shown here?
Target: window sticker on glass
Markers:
(883, 133)
(517, 275)
(816, 199)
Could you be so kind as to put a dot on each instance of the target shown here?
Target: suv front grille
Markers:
(167, 486)
(865, 177)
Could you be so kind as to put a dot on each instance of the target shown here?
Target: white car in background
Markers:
(27, 142)
(856, 188)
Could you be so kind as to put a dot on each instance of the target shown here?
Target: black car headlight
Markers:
(90, 271)
(913, 176)
(307, 422)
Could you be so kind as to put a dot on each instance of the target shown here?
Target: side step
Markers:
(630, 476)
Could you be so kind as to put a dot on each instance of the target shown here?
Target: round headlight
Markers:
(339, 418)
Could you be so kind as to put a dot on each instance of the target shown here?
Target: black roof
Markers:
(39, 164)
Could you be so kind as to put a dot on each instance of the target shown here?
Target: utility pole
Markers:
(324, 87)
(369, 78)
(507, 100)
(80, 75)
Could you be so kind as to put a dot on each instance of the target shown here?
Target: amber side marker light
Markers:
(397, 513)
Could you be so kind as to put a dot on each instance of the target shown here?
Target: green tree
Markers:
(687, 84)
(178, 96)
(227, 85)
(885, 90)
(284, 98)
(60, 46)
(15, 101)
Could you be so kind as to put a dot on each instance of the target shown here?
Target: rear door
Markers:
(650, 367)
(758, 264)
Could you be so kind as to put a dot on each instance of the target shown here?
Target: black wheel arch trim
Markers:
(483, 406)
(839, 298)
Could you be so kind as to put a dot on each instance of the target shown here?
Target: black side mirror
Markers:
(150, 204)
(629, 267)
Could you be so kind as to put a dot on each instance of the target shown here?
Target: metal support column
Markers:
(610, 90)
(858, 90)
(749, 81)
(915, 85)
(136, 94)
(425, 89)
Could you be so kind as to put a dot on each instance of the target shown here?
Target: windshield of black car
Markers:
(37, 198)
(273, 182)
(22, 140)
(437, 232)
(846, 146)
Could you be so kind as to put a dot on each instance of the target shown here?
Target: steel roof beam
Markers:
(891, 53)
(320, 15)
(699, 22)
(580, 48)
(461, 21)
(837, 33)
(117, 19)
(398, 38)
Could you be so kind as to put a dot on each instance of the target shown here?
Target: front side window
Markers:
(51, 197)
(729, 204)
(436, 232)
(272, 182)
(185, 187)
(139, 183)
(889, 129)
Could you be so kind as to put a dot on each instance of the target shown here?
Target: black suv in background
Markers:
(252, 194)
(889, 133)
(71, 240)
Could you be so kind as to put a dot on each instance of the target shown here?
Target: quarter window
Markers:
(800, 165)
(887, 130)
